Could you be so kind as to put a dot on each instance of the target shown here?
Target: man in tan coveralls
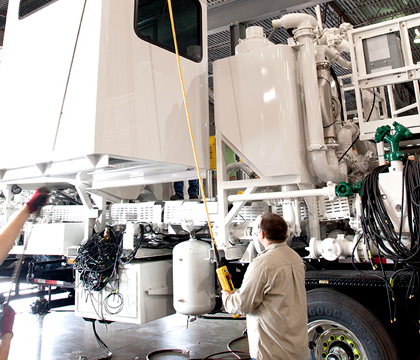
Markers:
(273, 296)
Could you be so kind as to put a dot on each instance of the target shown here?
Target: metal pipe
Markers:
(333, 55)
(325, 98)
(339, 60)
(319, 17)
(346, 136)
(311, 91)
(296, 21)
(240, 165)
(328, 191)
(314, 127)
(380, 146)
(234, 37)
(305, 24)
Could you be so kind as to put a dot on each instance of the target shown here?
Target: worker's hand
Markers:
(38, 200)
(7, 318)
(226, 293)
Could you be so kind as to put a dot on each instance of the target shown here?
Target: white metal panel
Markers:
(339, 208)
(63, 213)
(75, 133)
(137, 212)
(257, 109)
(34, 69)
(146, 288)
(390, 185)
(50, 239)
(123, 98)
(175, 212)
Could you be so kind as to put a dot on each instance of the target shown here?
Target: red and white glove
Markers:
(7, 318)
(38, 200)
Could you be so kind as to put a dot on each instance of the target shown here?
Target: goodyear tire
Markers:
(340, 328)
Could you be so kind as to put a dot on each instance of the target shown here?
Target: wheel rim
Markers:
(332, 341)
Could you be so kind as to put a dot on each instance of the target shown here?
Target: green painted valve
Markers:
(344, 189)
(383, 133)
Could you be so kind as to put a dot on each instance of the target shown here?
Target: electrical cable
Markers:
(410, 296)
(352, 144)
(208, 357)
(227, 352)
(125, 259)
(110, 309)
(232, 341)
(390, 291)
(65, 197)
(378, 227)
(157, 352)
(373, 106)
(68, 76)
(101, 343)
(97, 259)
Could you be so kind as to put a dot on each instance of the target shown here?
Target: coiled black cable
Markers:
(377, 226)
(97, 259)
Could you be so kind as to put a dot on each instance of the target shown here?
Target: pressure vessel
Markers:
(194, 278)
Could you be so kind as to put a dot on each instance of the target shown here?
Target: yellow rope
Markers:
(188, 119)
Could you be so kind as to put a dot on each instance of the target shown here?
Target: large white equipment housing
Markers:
(97, 95)
(258, 111)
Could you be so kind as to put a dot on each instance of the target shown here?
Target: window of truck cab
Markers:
(152, 24)
(28, 7)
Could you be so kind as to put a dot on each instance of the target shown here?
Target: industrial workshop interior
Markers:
(220, 179)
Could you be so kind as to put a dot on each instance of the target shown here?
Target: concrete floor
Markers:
(60, 335)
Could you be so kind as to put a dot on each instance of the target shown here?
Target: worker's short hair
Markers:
(274, 227)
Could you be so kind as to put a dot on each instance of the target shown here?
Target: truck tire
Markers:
(340, 328)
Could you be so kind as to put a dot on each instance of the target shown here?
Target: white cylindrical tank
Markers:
(194, 278)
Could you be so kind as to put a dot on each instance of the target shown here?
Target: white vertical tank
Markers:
(258, 109)
(194, 278)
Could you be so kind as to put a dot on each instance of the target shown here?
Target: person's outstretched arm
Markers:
(5, 346)
(12, 229)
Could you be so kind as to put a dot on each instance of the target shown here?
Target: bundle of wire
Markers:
(125, 259)
(97, 259)
(377, 226)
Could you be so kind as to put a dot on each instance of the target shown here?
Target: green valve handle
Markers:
(383, 133)
(344, 189)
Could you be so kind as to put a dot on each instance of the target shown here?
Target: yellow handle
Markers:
(226, 282)
(225, 279)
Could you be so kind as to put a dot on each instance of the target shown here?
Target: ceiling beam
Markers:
(340, 13)
(228, 12)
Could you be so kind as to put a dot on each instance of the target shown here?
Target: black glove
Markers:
(38, 200)
(7, 318)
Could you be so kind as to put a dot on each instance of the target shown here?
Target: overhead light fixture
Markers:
(417, 38)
